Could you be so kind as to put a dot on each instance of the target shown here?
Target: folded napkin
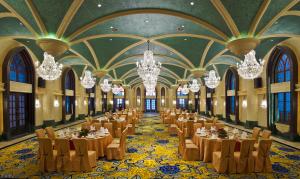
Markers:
(235, 131)
(93, 128)
(244, 135)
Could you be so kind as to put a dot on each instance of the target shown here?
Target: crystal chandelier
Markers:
(87, 80)
(49, 69)
(117, 89)
(250, 68)
(184, 90)
(194, 87)
(105, 86)
(212, 81)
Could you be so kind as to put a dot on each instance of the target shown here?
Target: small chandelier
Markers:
(194, 87)
(250, 68)
(212, 81)
(105, 86)
(49, 69)
(87, 80)
(117, 89)
(184, 90)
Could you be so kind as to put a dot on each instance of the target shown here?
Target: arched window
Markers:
(282, 99)
(19, 96)
(181, 100)
(150, 101)
(232, 101)
(119, 101)
(68, 87)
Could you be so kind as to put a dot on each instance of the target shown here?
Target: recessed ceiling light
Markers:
(182, 26)
(111, 27)
(146, 20)
(110, 39)
(27, 41)
(192, 3)
(185, 39)
(271, 40)
(99, 5)
(21, 23)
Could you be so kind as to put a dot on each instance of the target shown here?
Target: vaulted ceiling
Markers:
(184, 35)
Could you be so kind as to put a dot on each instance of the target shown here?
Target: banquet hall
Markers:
(149, 89)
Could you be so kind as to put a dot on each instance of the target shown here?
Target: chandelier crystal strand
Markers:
(49, 69)
(87, 80)
(212, 81)
(194, 87)
(117, 89)
(105, 86)
(250, 68)
(184, 89)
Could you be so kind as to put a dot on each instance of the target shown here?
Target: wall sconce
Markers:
(84, 102)
(162, 101)
(224, 103)
(76, 103)
(190, 102)
(56, 103)
(244, 103)
(138, 102)
(264, 103)
(216, 103)
(127, 102)
(111, 102)
(37, 103)
(174, 102)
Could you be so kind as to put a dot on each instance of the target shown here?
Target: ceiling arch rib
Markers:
(205, 52)
(95, 58)
(36, 17)
(149, 11)
(258, 16)
(85, 60)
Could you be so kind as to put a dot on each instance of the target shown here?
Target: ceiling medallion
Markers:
(198, 72)
(87, 80)
(250, 68)
(212, 80)
(49, 69)
(242, 46)
(194, 87)
(105, 86)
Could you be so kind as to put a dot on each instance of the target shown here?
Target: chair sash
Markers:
(47, 159)
(246, 160)
(266, 134)
(227, 156)
(50, 133)
(262, 161)
(40, 133)
(81, 160)
(63, 155)
(255, 133)
(109, 126)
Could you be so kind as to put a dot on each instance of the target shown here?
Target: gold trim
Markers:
(258, 16)
(216, 56)
(279, 35)
(275, 18)
(185, 72)
(52, 46)
(68, 17)
(115, 74)
(176, 52)
(100, 73)
(242, 46)
(292, 13)
(26, 24)
(6, 14)
(226, 16)
(149, 11)
(83, 58)
(205, 52)
(197, 72)
(95, 58)
(36, 16)
(123, 51)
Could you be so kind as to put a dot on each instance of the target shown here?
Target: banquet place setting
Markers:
(121, 89)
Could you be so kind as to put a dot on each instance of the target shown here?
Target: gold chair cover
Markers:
(64, 155)
(262, 156)
(255, 133)
(47, 161)
(84, 159)
(50, 132)
(244, 159)
(223, 161)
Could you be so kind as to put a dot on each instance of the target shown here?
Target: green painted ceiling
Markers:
(114, 36)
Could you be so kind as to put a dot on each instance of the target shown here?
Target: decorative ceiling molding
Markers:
(216, 56)
(275, 18)
(185, 72)
(83, 58)
(292, 13)
(36, 17)
(169, 61)
(17, 37)
(133, 72)
(258, 16)
(205, 52)
(95, 58)
(68, 17)
(76, 63)
(279, 35)
(18, 16)
(6, 14)
(175, 52)
(139, 80)
(149, 11)
(226, 16)
(115, 74)
(123, 51)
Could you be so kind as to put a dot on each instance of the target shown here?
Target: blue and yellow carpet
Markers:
(151, 153)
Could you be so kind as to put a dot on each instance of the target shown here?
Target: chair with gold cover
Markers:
(188, 151)
(116, 151)
(50, 132)
(84, 159)
(223, 160)
(262, 160)
(47, 161)
(244, 159)
(40, 133)
(64, 155)
(255, 133)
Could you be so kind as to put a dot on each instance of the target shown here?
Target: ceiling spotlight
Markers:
(21, 23)
(182, 26)
(185, 39)
(111, 27)
(99, 5)
(146, 20)
(271, 40)
(192, 3)
(110, 39)
(27, 41)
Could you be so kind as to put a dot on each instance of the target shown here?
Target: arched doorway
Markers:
(182, 100)
(231, 94)
(163, 97)
(119, 100)
(282, 75)
(151, 101)
(138, 96)
(68, 99)
(19, 95)
(209, 101)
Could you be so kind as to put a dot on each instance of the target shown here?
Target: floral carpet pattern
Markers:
(151, 153)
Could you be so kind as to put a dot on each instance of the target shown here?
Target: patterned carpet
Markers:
(151, 153)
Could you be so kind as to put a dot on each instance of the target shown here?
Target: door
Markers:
(18, 105)
(150, 105)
